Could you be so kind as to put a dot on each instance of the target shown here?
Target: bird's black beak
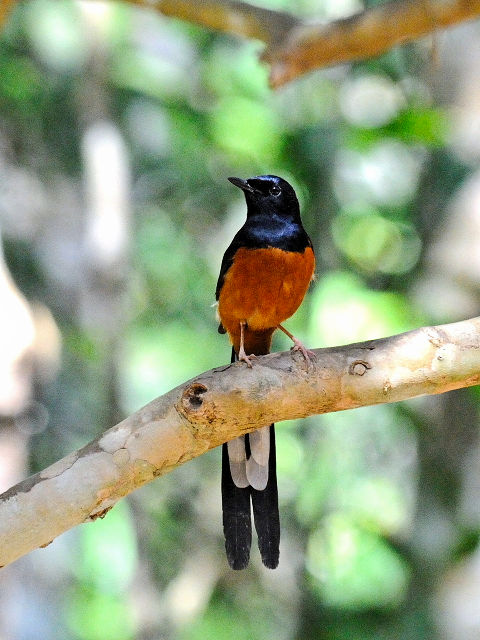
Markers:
(242, 184)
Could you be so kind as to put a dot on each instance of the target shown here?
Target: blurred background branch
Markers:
(363, 35)
(230, 16)
(5, 8)
(295, 47)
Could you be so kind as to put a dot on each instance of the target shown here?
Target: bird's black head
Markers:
(269, 195)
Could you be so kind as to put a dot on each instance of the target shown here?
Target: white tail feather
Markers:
(260, 445)
(257, 474)
(253, 471)
(237, 460)
(236, 450)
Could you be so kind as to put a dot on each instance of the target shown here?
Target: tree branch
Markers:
(295, 47)
(239, 18)
(364, 35)
(5, 8)
(221, 404)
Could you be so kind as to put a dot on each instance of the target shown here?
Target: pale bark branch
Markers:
(221, 404)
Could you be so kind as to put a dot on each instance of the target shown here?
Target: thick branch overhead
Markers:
(364, 35)
(296, 46)
(221, 404)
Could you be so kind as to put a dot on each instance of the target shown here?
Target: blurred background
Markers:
(118, 129)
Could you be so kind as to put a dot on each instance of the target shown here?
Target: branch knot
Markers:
(192, 396)
(358, 367)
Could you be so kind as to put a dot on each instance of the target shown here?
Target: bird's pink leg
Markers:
(242, 356)
(298, 346)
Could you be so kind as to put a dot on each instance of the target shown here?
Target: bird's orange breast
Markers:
(264, 287)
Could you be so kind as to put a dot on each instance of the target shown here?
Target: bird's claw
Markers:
(242, 357)
(306, 353)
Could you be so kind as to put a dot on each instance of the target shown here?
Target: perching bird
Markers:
(263, 279)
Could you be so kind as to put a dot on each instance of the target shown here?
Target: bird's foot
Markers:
(242, 357)
(306, 353)
(299, 346)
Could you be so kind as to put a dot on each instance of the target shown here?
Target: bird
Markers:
(264, 276)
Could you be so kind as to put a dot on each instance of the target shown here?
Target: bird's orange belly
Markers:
(264, 287)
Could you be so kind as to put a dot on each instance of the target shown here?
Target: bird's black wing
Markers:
(227, 260)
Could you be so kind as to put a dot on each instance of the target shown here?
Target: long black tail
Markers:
(237, 524)
(265, 511)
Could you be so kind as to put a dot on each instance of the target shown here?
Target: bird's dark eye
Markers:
(275, 191)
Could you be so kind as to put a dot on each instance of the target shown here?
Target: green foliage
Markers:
(219, 623)
(353, 568)
(104, 570)
(368, 151)
(345, 310)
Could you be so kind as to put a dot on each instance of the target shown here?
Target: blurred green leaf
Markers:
(374, 243)
(109, 555)
(20, 81)
(344, 310)
(156, 359)
(248, 128)
(419, 125)
(57, 34)
(414, 125)
(96, 616)
(234, 70)
(353, 568)
(97, 605)
(218, 622)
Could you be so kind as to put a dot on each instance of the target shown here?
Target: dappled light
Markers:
(118, 130)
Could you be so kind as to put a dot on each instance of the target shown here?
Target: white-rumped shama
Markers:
(263, 279)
